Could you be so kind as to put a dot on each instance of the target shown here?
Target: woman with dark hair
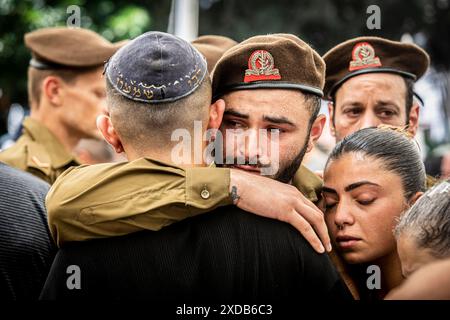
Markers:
(371, 177)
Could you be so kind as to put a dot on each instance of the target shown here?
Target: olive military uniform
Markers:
(114, 199)
(38, 152)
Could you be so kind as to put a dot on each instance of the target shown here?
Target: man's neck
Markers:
(163, 156)
(166, 155)
(66, 138)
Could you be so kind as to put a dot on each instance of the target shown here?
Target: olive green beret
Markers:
(278, 61)
(212, 48)
(372, 54)
(68, 47)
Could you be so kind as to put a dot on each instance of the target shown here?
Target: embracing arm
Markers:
(106, 200)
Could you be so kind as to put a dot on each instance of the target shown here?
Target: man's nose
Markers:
(256, 144)
(369, 120)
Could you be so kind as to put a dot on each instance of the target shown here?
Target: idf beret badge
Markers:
(274, 61)
(261, 66)
(372, 55)
(363, 55)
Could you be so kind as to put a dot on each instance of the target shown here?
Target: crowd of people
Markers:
(148, 225)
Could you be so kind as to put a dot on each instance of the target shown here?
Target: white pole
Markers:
(184, 19)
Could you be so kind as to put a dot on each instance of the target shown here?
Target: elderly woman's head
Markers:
(423, 232)
(371, 177)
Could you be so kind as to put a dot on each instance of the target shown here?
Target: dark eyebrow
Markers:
(352, 104)
(359, 184)
(328, 190)
(278, 120)
(232, 112)
(381, 104)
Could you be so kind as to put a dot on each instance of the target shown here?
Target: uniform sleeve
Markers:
(107, 200)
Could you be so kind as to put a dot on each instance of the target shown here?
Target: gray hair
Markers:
(428, 221)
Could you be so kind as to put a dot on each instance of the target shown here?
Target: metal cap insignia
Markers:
(261, 66)
(363, 56)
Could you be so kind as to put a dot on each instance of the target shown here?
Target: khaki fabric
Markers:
(70, 47)
(308, 183)
(106, 200)
(38, 152)
(115, 199)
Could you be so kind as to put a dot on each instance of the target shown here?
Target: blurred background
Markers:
(322, 23)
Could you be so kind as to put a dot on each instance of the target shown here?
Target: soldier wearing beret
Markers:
(66, 93)
(370, 81)
(217, 255)
(77, 194)
(212, 47)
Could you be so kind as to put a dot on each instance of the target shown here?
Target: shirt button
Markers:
(204, 194)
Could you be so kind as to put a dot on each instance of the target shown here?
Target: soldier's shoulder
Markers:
(87, 172)
(29, 156)
(15, 155)
(309, 183)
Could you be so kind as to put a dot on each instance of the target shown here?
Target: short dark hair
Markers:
(394, 149)
(135, 120)
(428, 221)
(313, 105)
(409, 98)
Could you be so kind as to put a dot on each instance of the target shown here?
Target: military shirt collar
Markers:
(57, 153)
(308, 183)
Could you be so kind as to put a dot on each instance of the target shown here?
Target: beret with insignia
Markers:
(156, 67)
(277, 61)
(372, 54)
(61, 47)
(213, 47)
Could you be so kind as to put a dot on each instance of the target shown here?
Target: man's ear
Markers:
(53, 90)
(216, 111)
(105, 126)
(316, 131)
(413, 119)
(331, 117)
(415, 197)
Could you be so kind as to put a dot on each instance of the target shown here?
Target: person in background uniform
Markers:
(224, 255)
(93, 151)
(370, 81)
(26, 247)
(212, 47)
(100, 194)
(66, 94)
